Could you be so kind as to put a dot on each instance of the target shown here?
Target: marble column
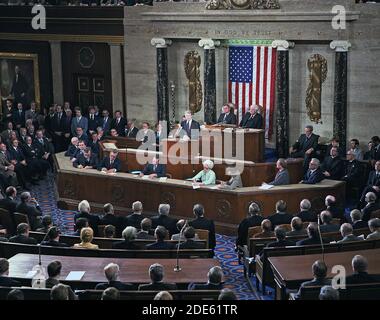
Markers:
(209, 79)
(340, 91)
(117, 78)
(282, 97)
(57, 74)
(161, 45)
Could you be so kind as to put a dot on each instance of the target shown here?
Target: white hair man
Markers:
(314, 174)
(163, 219)
(111, 272)
(84, 212)
(252, 119)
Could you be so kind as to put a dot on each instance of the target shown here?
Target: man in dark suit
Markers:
(373, 184)
(313, 236)
(327, 225)
(370, 199)
(227, 116)
(281, 241)
(189, 242)
(333, 207)
(111, 272)
(110, 164)
(154, 169)
(33, 156)
(375, 150)
(134, 219)
(144, 233)
(129, 235)
(23, 235)
(163, 219)
(53, 239)
(215, 278)
(160, 233)
(156, 273)
(19, 87)
(351, 174)
(314, 174)
(84, 212)
(31, 208)
(109, 218)
(305, 214)
(332, 166)
(94, 144)
(47, 149)
(119, 123)
(254, 219)
(297, 228)
(9, 202)
(190, 127)
(360, 272)
(7, 112)
(319, 269)
(252, 119)
(200, 222)
(105, 122)
(17, 158)
(5, 281)
(73, 148)
(131, 130)
(281, 216)
(86, 160)
(18, 117)
(305, 147)
(357, 222)
(58, 129)
(335, 144)
(282, 175)
(93, 120)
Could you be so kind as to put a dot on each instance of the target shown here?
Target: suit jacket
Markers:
(233, 183)
(58, 125)
(83, 123)
(158, 286)
(160, 170)
(230, 118)
(315, 282)
(280, 218)
(191, 244)
(281, 178)
(282, 243)
(205, 224)
(350, 238)
(93, 220)
(334, 166)
(193, 131)
(16, 154)
(330, 227)
(9, 204)
(303, 143)
(375, 153)
(4, 162)
(255, 122)
(310, 241)
(313, 178)
(81, 160)
(144, 236)
(127, 245)
(8, 282)
(95, 147)
(134, 220)
(360, 224)
(105, 163)
(160, 245)
(71, 151)
(22, 239)
(252, 221)
(45, 145)
(373, 179)
(18, 118)
(120, 127)
(33, 212)
(368, 209)
(307, 216)
(352, 172)
(205, 286)
(131, 133)
(115, 284)
(165, 221)
(93, 123)
(52, 243)
(362, 277)
(105, 124)
(294, 233)
(31, 115)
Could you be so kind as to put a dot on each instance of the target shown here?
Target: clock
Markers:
(241, 4)
(86, 57)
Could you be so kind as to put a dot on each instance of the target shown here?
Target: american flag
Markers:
(252, 76)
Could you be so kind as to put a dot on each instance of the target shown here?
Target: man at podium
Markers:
(190, 126)
(227, 116)
(252, 119)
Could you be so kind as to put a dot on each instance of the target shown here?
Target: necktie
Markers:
(154, 167)
(118, 120)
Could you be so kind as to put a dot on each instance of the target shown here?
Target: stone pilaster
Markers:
(117, 78)
(57, 74)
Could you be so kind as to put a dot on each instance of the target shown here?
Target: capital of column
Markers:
(160, 42)
(208, 43)
(340, 45)
(282, 45)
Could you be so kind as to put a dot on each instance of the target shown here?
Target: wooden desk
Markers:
(131, 270)
(226, 207)
(290, 271)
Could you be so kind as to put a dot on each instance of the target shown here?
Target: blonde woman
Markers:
(86, 235)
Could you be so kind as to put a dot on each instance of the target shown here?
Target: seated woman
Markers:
(234, 182)
(86, 235)
(206, 176)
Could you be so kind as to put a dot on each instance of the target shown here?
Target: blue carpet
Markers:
(234, 278)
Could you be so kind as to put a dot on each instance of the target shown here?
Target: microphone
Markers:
(177, 268)
(320, 238)
(39, 278)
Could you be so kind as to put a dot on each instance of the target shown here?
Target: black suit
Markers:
(58, 125)
(18, 118)
(92, 123)
(315, 282)
(127, 245)
(280, 218)
(131, 133)
(205, 286)
(165, 221)
(115, 284)
(34, 159)
(227, 118)
(373, 181)
(192, 131)
(191, 244)
(251, 221)
(134, 220)
(8, 282)
(280, 243)
(95, 147)
(375, 153)
(334, 166)
(119, 126)
(105, 124)
(362, 277)
(92, 161)
(351, 175)
(160, 170)
(52, 243)
(93, 220)
(9, 204)
(360, 224)
(22, 239)
(329, 227)
(368, 209)
(105, 163)
(310, 241)
(302, 145)
(142, 235)
(307, 216)
(253, 122)
(33, 213)
(160, 245)
(158, 286)
(313, 177)
(205, 224)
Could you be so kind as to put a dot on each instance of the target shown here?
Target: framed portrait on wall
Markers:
(19, 78)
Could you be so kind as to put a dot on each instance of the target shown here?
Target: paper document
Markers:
(136, 172)
(109, 145)
(75, 275)
(163, 179)
(265, 186)
(196, 186)
(145, 177)
(31, 274)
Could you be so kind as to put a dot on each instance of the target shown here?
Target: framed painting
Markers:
(19, 78)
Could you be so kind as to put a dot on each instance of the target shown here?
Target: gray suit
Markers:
(282, 177)
(233, 183)
(83, 123)
(350, 238)
(374, 235)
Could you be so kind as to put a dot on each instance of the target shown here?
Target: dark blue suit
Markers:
(90, 162)
(107, 164)
(229, 118)
(160, 170)
(313, 178)
(255, 122)
(160, 245)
